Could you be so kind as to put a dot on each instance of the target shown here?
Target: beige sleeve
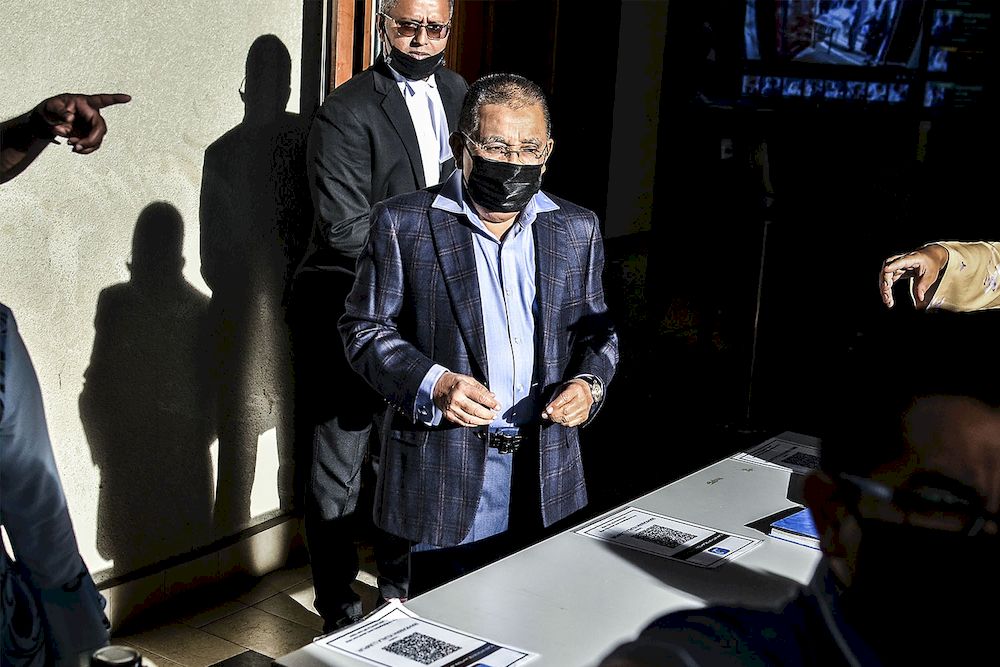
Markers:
(971, 280)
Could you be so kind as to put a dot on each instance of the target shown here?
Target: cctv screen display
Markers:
(932, 54)
(862, 33)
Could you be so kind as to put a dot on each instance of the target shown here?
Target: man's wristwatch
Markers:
(596, 388)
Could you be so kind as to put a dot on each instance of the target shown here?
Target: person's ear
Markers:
(455, 140)
(548, 154)
(380, 32)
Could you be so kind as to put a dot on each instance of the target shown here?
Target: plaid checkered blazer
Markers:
(416, 302)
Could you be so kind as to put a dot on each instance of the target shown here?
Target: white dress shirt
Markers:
(429, 120)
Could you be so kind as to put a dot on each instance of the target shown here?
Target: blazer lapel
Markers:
(453, 242)
(394, 107)
(552, 266)
(451, 98)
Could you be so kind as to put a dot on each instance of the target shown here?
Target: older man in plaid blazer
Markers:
(478, 313)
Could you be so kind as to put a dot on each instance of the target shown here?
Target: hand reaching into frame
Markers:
(925, 264)
(77, 117)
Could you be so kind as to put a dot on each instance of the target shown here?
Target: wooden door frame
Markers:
(340, 54)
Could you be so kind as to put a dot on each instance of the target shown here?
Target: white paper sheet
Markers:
(394, 636)
(784, 454)
(670, 538)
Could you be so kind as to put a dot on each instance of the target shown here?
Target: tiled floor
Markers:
(238, 624)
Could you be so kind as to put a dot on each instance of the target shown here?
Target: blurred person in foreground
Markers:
(905, 502)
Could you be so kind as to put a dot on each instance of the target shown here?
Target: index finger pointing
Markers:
(102, 100)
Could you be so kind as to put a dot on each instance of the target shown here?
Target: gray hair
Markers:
(510, 90)
(385, 6)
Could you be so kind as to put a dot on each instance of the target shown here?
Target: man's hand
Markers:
(925, 264)
(71, 115)
(571, 406)
(78, 117)
(464, 400)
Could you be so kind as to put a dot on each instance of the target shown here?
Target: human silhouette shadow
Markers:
(143, 403)
(255, 221)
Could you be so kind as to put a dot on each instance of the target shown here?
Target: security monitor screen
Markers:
(864, 33)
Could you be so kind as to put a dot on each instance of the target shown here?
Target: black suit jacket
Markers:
(363, 149)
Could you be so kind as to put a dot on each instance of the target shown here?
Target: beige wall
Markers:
(66, 233)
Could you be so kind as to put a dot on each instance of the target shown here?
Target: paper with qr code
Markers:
(670, 538)
(393, 636)
(785, 454)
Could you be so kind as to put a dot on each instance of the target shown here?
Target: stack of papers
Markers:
(393, 636)
(797, 453)
(669, 537)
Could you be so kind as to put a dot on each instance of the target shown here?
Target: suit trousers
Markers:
(336, 452)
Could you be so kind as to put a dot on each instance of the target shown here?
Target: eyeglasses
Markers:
(932, 500)
(410, 28)
(499, 151)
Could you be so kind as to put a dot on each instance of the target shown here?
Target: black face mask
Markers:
(412, 68)
(503, 187)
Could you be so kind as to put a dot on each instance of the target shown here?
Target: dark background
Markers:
(848, 186)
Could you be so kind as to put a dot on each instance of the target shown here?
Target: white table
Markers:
(572, 598)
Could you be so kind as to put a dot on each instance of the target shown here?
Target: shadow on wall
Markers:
(255, 222)
(143, 404)
(172, 370)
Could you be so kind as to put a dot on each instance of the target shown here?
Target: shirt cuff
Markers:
(423, 407)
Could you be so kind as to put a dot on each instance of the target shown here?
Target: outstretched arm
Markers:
(960, 276)
(73, 116)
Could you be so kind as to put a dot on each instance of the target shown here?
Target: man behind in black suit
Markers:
(382, 133)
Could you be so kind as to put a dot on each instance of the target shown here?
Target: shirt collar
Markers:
(450, 198)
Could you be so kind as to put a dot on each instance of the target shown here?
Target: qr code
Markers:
(665, 537)
(802, 459)
(421, 648)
